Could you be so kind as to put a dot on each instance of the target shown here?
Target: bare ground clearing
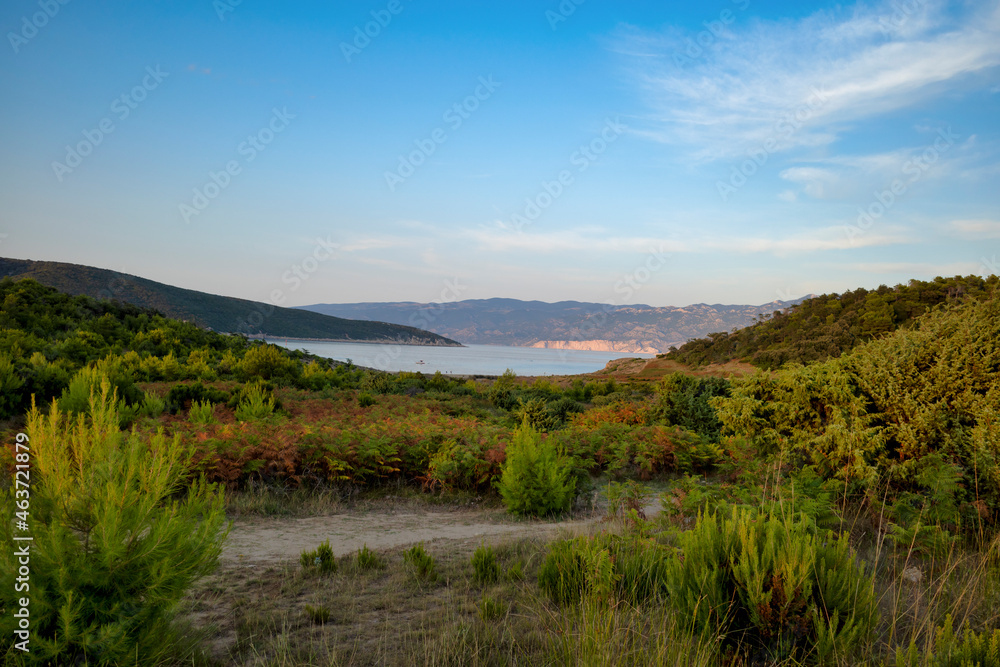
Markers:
(257, 541)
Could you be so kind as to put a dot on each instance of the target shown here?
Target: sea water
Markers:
(468, 360)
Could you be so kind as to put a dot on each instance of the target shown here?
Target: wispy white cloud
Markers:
(915, 268)
(828, 238)
(801, 83)
(975, 229)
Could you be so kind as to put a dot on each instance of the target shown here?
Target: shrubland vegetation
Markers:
(842, 512)
(829, 325)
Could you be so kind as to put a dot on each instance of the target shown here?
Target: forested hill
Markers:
(221, 313)
(829, 325)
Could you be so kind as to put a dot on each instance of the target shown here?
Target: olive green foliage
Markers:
(368, 559)
(321, 558)
(491, 609)
(561, 575)
(536, 478)
(628, 568)
(119, 536)
(319, 614)
(256, 402)
(502, 392)
(376, 382)
(269, 362)
(830, 325)
(967, 649)
(917, 409)
(76, 397)
(685, 401)
(184, 396)
(422, 562)
(10, 385)
(534, 414)
(202, 413)
(765, 582)
(47, 337)
(485, 567)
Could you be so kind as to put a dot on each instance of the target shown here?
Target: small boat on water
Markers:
(420, 362)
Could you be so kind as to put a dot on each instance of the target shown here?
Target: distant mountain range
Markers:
(564, 325)
(221, 313)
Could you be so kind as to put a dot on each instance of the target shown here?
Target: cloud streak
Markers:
(862, 62)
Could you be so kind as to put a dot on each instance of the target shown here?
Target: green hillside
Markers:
(827, 326)
(220, 313)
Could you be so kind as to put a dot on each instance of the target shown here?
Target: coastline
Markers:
(269, 339)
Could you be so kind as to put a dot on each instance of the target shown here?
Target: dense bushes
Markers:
(892, 410)
(767, 582)
(764, 584)
(537, 479)
(114, 547)
(685, 401)
(830, 325)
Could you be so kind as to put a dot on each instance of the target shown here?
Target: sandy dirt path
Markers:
(257, 541)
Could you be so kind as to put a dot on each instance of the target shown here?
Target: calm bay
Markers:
(469, 360)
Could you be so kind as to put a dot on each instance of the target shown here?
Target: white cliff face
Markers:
(627, 346)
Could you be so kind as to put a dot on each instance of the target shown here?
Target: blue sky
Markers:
(640, 152)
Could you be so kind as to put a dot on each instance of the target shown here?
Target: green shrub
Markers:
(116, 542)
(365, 400)
(769, 585)
(321, 557)
(256, 404)
(882, 412)
(319, 614)
(502, 393)
(152, 406)
(76, 397)
(485, 568)
(491, 609)
(536, 479)
(10, 385)
(970, 650)
(369, 560)
(685, 401)
(534, 414)
(269, 362)
(516, 571)
(182, 396)
(632, 569)
(376, 382)
(421, 561)
(202, 413)
(562, 408)
(561, 575)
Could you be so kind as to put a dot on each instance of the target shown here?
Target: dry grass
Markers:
(390, 616)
